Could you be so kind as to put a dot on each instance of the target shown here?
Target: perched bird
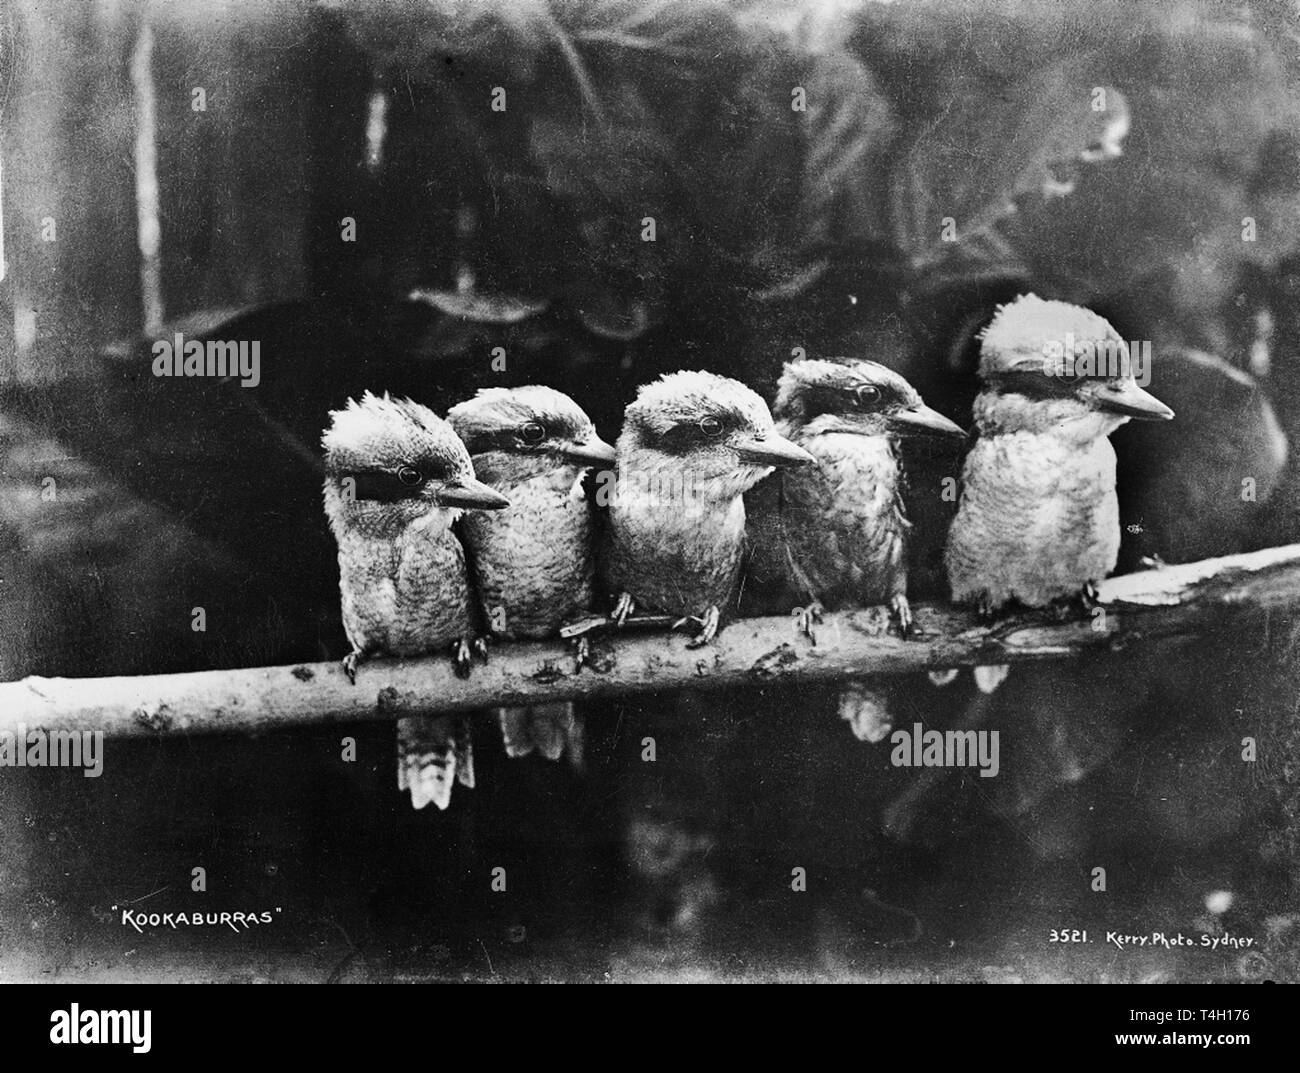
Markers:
(835, 533)
(692, 444)
(396, 478)
(534, 562)
(1038, 518)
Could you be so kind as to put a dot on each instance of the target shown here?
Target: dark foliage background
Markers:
(776, 229)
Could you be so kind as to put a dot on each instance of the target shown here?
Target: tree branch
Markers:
(1175, 601)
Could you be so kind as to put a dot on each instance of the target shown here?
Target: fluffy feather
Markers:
(402, 574)
(677, 516)
(533, 562)
(1038, 518)
(834, 534)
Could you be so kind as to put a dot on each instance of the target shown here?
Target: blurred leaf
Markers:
(416, 36)
(610, 315)
(479, 307)
(980, 163)
(1277, 171)
(850, 128)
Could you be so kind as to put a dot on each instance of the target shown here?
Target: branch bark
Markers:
(1175, 601)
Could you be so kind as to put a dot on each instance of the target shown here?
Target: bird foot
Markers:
(901, 612)
(708, 624)
(480, 646)
(986, 609)
(1088, 596)
(581, 651)
(350, 663)
(807, 617)
(462, 657)
(625, 606)
(1068, 608)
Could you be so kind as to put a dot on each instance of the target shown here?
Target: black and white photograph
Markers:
(650, 491)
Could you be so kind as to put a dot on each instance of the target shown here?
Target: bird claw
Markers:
(350, 663)
(901, 612)
(807, 617)
(462, 658)
(708, 624)
(1068, 608)
(581, 651)
(1089, 596)
(985, 608)
(480, 646)
(625, 606)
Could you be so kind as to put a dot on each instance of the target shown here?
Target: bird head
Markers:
(390, 462)
(714, 434)
(858, 397)
(514, 434)
(1049, 365)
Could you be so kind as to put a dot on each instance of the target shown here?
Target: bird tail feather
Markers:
(514, 731)
(433, 754)
(987, 677)
(554, 730)
(866, 711)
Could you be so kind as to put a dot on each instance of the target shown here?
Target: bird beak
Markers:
(920, 420)
(472, 495)
(1125, 397)
(771, 450)
(593, 451)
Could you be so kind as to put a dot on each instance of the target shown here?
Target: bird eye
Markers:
(409, 476)
(711, 426)
(867, 395)
(532, 433)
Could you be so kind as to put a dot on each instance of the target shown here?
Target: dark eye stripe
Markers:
(387, 486)
(829, 400)
(380, 486)
(689, 436)
(1039, 385)
(481, 441)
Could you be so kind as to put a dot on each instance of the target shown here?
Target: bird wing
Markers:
(845, 531)
(772, 581)
(764, 543)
